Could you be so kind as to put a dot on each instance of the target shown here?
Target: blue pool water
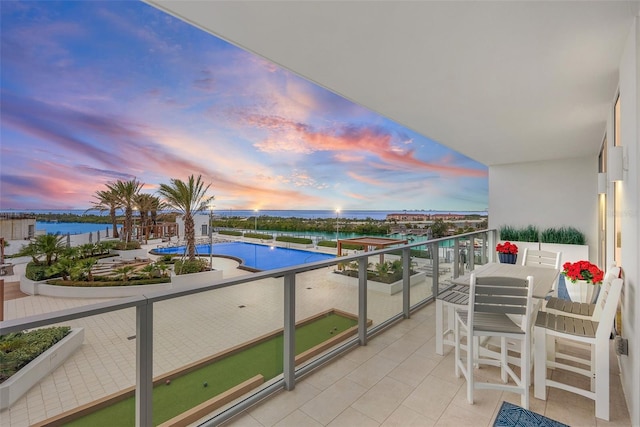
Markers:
(260, 257)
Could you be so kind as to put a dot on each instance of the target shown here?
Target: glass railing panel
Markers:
(97, 359)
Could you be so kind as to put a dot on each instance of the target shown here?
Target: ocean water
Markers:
(292, 213)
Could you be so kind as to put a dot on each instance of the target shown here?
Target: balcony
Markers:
(388, 374)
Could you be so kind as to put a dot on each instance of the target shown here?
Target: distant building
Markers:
(17, 226)
(417, 217)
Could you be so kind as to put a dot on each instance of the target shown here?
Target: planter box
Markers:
(570, 253)
(20, 383)
(196, 279)
(42, 288)
(386, 288)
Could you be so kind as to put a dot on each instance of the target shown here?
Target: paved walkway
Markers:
(185, 330)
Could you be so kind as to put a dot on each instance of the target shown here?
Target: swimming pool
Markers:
(260, 257)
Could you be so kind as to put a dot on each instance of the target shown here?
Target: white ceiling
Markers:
(501, 82)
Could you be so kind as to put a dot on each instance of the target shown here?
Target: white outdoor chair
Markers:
(571, 329)
(548, 259)
(492, 300)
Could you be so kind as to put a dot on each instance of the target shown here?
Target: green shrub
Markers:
(508, 232)
(187, 267)
(20, 348)
(529, 233)
(563, 235)
(102, 281)
(258, 236)
(126, 246)
(328, 244)
(291, 239)
(38, 272)
(230, 232)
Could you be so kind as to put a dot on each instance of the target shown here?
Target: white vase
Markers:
(581, 291)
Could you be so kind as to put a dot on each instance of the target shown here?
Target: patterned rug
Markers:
(511, 415)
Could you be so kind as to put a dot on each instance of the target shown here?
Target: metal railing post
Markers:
(362, 300)
(289, 338)
(144, 365)
(406, 282)
(435, 272)
(456, 257)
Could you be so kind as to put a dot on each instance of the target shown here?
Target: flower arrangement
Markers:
(507, 248)
(582, 270)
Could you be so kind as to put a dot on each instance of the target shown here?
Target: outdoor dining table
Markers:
(543, 277)
(543, 280)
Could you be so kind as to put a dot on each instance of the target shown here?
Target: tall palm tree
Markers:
(188, 198)
(108, 200)
(126, 192)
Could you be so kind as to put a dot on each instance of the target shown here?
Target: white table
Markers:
(543, 277)
(543, 280)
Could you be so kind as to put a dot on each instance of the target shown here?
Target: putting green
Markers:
(189, 390)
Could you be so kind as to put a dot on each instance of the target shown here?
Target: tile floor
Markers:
(399, 380)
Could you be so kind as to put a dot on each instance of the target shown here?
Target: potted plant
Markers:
(524, 237)
(581, 278)
(507, 252)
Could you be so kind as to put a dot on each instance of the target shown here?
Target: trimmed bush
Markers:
(230, 232)
(258, 236)
(20, 348)
(100, 282)
(126, 246)
(328, 244)
(290, 239)
(187, 267)
(563, 235)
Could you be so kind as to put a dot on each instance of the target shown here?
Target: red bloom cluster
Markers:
(582, 270)
(507, 248)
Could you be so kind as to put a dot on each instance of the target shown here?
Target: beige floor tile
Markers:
(382, 399)
(280, 406)
(431, 397)
(332, 401)
(243, 420)
(413, 370)
(297, 419)
(456, 416)
(372, 371)
(404, 416)
(350, 418)
(330, 373)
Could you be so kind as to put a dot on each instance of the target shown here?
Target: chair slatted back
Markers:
(536, 258)
(501, 295)
(612, 274)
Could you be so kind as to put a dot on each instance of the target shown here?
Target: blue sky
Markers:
(96, 91)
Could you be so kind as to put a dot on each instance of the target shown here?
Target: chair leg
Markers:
(504, 355)
(602, 380)
(439, 328)
(540, 363)
(456, 332)
(470, 373)
(525, 370)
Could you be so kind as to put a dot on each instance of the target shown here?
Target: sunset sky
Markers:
(96, 91)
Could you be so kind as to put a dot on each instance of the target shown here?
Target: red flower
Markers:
(507, 248)
(582, 270)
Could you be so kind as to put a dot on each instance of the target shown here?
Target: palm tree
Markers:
(49, 245)
(126, 192)
(82, 269)
(189, 198)
(108, 201)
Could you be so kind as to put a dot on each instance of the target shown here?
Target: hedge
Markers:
(258, 236)
(290, 239)
(230, 232)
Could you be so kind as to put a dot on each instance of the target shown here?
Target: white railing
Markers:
(282, 282)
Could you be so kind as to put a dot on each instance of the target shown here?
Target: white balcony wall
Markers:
(552, 193)
(629, 85)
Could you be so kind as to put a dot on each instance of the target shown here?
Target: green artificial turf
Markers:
(187, 391)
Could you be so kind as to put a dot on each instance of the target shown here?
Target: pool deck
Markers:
(105, 364)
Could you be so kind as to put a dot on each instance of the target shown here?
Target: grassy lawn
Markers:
(189, 390)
